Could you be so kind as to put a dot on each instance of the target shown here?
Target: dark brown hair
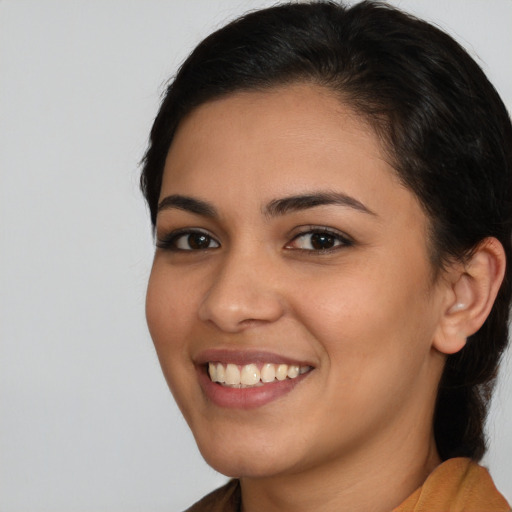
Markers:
(447, 133)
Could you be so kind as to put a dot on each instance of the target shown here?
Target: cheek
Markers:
(170, 307)
(367, 316)
(168, 313)
(375, 341)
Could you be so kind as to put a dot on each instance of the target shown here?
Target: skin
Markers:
(368, 315)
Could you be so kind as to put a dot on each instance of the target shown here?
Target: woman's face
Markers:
(290, 256)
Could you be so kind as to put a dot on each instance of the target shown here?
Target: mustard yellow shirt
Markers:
(457, 485)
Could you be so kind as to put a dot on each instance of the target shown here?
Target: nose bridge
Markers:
(245, 290)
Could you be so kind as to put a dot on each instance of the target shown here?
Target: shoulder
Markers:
(224, 499)
(457, 485)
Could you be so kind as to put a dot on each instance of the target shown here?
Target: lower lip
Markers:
(246, 398)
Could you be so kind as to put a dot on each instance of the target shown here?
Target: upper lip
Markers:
(243, 357)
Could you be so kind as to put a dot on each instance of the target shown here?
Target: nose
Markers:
(244, 292)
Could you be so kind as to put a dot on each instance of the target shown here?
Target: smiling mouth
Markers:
(253, 375)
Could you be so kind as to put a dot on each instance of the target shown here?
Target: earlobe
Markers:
(472, 291)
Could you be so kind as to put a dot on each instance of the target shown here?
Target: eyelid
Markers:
(344, 239)
(168, 240)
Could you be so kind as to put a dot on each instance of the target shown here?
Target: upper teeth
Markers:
(252, 375)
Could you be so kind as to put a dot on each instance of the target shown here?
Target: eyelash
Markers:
(340, 240)
(171, 240)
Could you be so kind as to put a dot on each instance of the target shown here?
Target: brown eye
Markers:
(195, 241)
(319, 241)
(198, 241)
(188, 241)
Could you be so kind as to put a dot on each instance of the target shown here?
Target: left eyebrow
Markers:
(290, 204)
(188, 204)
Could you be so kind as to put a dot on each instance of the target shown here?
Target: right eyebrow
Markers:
(188, 204)
(290, 204)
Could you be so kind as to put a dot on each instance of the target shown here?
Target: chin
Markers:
(244, 459)
(243, 467)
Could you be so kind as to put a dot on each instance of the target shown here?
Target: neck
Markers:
(377, 480)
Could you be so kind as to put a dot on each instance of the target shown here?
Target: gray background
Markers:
(86, 420)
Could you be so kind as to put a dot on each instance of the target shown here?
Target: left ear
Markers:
(472, 289)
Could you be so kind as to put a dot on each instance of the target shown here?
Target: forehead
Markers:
(286, 134)
(285, 123)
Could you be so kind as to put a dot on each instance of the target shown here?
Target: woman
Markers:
(330, 189)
